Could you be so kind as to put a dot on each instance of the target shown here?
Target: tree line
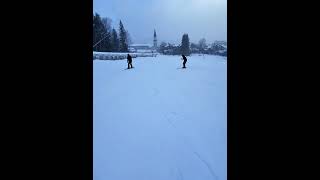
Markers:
(171, 49)
(106, 38)
(188, 48)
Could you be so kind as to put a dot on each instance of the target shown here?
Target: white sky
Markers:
(171, 18)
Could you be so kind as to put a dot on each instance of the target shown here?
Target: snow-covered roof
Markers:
(144, 50)
(134, 45)
(222, 51)
(173, 45)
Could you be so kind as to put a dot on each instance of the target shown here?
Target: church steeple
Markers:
(155, 39)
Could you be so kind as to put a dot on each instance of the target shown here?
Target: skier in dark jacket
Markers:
(184, 58)
(129, 60)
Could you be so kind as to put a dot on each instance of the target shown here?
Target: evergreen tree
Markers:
(123, 46)
(185, 45)
(107, 39)
(98, 32)
(115, 41)
(94, 30)
(106, 42)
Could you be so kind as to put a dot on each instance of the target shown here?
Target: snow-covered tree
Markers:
(162, 47)
(129, 40)
(202, 44)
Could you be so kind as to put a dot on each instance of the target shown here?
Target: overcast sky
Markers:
(171, 18)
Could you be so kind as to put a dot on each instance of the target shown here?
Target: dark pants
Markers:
(129, 65)
(184, 64)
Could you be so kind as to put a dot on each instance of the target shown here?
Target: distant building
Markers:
(146, 48)
(141, 48)
(131, 49)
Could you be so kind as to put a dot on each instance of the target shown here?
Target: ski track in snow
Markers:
(207, 165)
(169, 119)
(180, 177)
(187, 144)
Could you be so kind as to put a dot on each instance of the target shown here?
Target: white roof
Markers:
(133, 45)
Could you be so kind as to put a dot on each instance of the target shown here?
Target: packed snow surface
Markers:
(158, 121)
